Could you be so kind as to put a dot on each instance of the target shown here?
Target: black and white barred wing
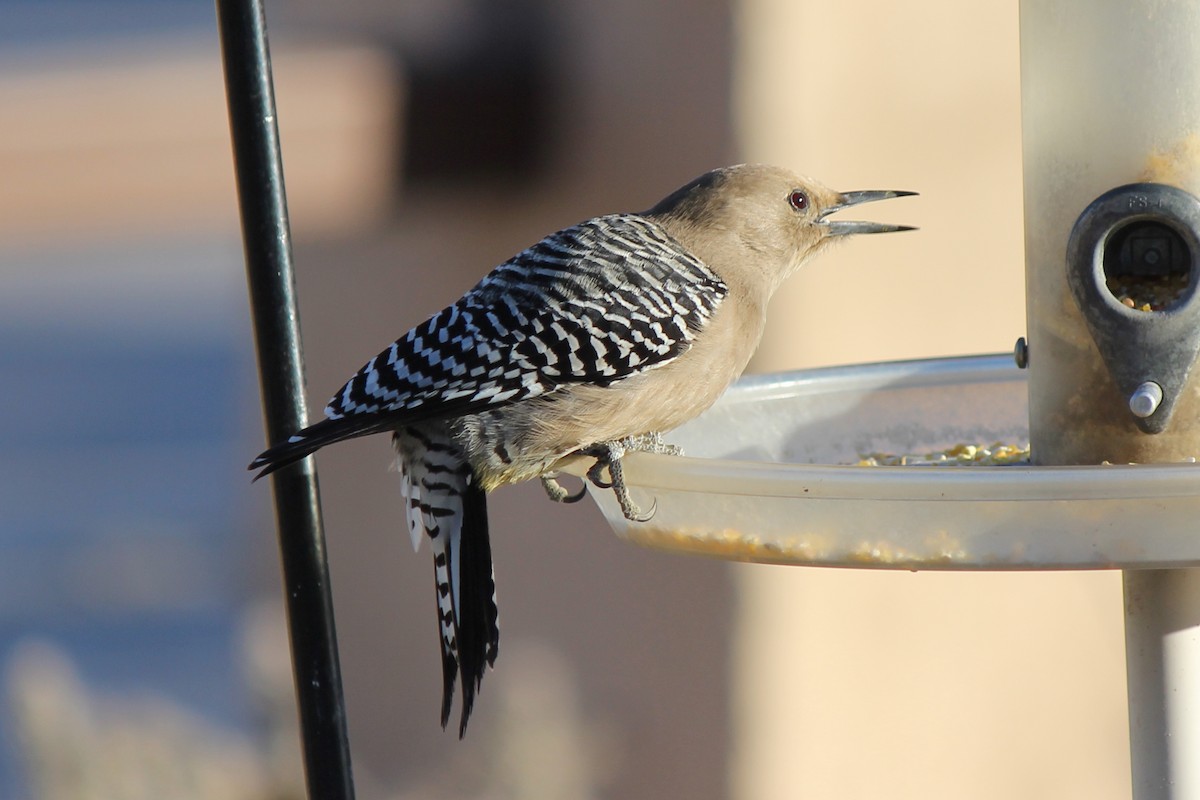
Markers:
(594, 303)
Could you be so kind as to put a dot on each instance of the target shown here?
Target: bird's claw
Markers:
(603, 459)
(608, 455)
(558, 493)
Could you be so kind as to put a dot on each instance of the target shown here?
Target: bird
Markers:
(593, 342)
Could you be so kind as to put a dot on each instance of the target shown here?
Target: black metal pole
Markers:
(268, 253)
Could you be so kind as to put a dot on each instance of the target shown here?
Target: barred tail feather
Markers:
(447, 505)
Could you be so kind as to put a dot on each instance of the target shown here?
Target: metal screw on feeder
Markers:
(1021, 353)
(1145, 399)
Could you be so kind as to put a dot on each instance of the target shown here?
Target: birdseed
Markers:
(1148, 293)
(997, 454)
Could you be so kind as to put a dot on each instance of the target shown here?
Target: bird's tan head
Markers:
(763, 214)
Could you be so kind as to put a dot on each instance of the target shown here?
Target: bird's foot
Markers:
(558, 493)
(608, 456)
(650, 443)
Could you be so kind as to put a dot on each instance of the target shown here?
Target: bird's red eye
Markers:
(798, 200)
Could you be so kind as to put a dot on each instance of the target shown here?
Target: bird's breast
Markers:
(525, 439)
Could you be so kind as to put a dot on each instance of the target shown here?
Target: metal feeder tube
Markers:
(1111, 131)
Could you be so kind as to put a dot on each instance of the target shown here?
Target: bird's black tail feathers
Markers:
(478, 630)
(313, 438)
(464, 552)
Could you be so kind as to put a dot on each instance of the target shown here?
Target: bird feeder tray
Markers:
(769, 475)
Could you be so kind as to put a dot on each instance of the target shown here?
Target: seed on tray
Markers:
(997, 454)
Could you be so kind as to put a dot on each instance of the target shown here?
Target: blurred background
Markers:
(142, 647)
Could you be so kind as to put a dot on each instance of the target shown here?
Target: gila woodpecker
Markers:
(591, 342)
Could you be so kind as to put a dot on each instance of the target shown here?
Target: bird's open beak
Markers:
(848, 227)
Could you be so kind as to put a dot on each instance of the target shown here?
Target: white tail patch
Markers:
(433, 476)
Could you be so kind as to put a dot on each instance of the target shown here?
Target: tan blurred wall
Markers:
(858, 684)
